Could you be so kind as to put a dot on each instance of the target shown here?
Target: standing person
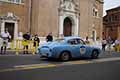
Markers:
(26, 38)
(104, 43)
(5, 37)
(49, 37)
(87, 40)
(109, 42)
(36, 41)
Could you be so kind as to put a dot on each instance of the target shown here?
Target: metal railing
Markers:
(18, 46)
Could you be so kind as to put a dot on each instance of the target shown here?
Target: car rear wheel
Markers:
(95, 54)
(65, 56)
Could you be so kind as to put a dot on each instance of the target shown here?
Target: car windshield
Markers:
(59, 40)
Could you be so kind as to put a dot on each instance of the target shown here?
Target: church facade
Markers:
(61, 17)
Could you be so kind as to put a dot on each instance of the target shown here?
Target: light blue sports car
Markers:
(67, 48)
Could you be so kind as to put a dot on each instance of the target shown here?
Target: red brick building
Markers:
(111, 23)
(68, 17)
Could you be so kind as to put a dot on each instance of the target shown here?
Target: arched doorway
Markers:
(67, 27)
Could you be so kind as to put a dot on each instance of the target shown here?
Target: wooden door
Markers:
(67, 30)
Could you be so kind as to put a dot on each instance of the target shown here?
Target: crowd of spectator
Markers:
(26, 37)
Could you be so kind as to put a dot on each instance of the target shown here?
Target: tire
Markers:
(65, 56)
(95, 54)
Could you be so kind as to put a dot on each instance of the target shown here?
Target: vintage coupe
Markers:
(67, 48)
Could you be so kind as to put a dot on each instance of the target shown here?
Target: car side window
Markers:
(72, 42)
(80, 41)
(76, 41)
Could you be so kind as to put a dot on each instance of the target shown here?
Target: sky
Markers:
(108, 4)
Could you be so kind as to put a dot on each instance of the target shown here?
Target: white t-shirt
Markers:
(5, 35)
(104, 42)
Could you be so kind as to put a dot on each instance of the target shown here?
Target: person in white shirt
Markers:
(5, 37)
(104, 43)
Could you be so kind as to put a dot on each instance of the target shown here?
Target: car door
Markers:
(82, 48)
(74, 47)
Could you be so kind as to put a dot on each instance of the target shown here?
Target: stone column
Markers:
(2, 26)
(76, 26)
(61, 19)
(16, 30)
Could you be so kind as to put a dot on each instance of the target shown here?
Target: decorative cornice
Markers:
(68, 5)
(6, 17)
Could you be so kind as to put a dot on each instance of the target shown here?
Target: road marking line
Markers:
(73, 62)
(49, 65)
(77, 62)
(31, 65)
(27, 68)
(36, 67)
(106, 59)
